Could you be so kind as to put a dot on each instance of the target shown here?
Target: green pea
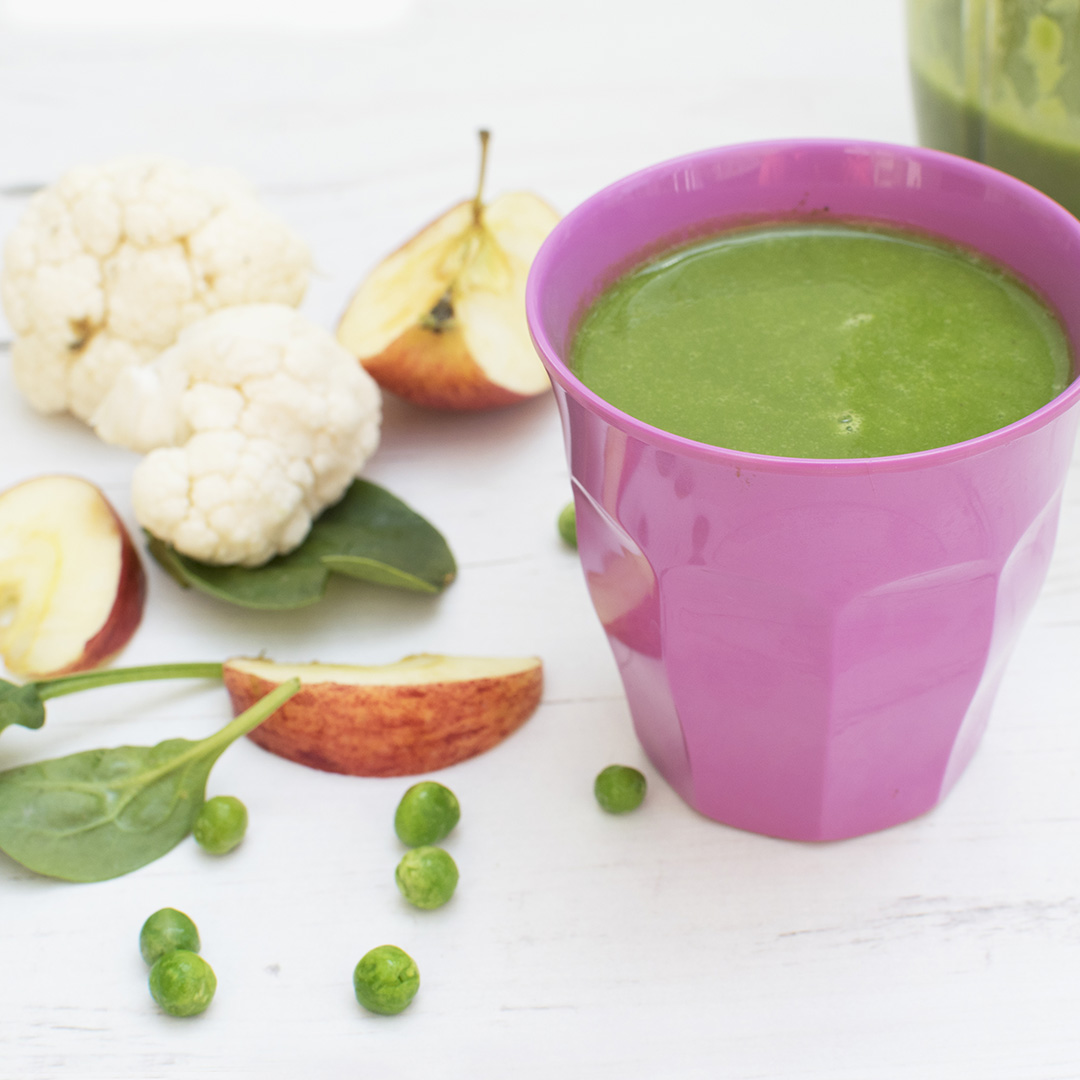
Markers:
(427, 812)
(166, 931)
(221, 824)
(619, 789)
(386, 980)
(568, 524)
(427, 877)
(182, 983)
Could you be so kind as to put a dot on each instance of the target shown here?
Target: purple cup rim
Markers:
(560, 372)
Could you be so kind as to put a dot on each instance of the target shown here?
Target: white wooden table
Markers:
(660, 945)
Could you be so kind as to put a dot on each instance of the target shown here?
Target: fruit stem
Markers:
(478, 205)
(87, 680)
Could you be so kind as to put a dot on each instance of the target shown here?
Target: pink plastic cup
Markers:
(810, 648)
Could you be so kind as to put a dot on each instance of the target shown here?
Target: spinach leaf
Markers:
(25, 704)
(59, 685)
(20, 705)
(369, 534)
(103, 813)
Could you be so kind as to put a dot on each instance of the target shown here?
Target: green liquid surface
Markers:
(822, 341)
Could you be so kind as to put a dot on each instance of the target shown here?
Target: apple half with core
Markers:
(413, 716)
(441, 321)
(72, 588)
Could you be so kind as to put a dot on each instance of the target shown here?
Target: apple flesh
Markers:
(72, 588)
(441, 321)
(419, 714)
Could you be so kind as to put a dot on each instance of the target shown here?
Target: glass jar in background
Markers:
(999, 81)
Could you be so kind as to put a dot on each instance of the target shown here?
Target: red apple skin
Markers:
(389, 730)
(434, 369)
(126, 614)
(129, 600)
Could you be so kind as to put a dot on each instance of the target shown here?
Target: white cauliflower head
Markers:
(252, 423)
(110, 263)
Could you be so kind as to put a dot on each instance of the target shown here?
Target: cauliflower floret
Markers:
(252, 423)
(111, 262)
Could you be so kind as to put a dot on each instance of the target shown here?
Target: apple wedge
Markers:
(441, 321)
(72, 588)
(414, 716)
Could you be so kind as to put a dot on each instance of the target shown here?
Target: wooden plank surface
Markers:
(659, 945)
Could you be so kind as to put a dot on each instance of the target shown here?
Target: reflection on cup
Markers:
(809, 646)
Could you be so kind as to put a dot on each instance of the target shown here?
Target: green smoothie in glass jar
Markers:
(998, 81)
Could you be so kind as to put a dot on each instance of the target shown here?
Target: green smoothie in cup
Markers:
(813, 340)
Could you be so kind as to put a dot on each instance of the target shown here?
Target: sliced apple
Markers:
(422, 713)
(441, 321)
(72, 588)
